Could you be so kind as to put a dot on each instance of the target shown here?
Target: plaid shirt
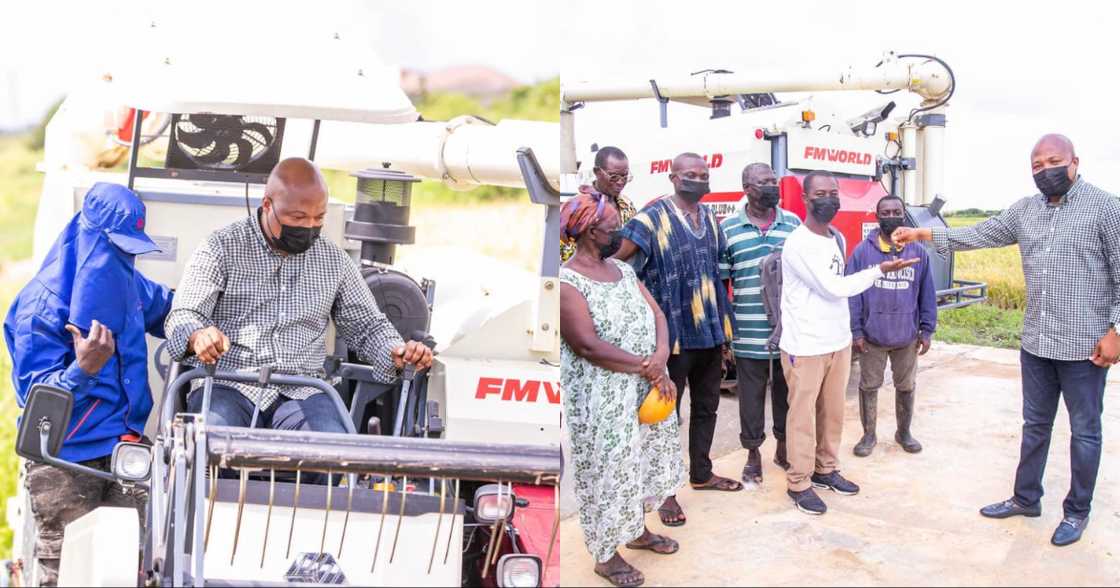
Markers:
(275, 309)
(1071, 262)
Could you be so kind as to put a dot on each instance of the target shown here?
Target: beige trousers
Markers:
(816, 413)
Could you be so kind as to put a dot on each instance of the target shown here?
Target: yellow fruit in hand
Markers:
(654, 408)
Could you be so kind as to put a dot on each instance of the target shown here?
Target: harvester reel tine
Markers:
(349, 504)
(439, 521)
(210, 507)
(327, 515)
(400, 518)
(384, 508)
(555, 524)
(490, 551)
(454, 513)
(295, 507)
(240, 510)
(501, 524)
(268, 517)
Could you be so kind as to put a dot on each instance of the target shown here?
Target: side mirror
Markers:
(48, 409)
(42, 428)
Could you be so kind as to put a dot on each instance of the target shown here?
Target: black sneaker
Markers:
(808, 502)
(836, 483)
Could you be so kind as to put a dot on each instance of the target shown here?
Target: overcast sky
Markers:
(1023, 69)
(46, 45)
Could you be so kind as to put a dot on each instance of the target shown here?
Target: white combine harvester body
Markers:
(815, 133)
(496, 373)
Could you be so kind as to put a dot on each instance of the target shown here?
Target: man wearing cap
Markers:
(79, 325)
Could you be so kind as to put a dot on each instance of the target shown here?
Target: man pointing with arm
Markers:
(1069, 239)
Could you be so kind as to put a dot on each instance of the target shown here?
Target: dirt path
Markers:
(915, 522)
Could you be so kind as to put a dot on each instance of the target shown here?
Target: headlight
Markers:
(132, 462)
(515, 569)
(492, 502)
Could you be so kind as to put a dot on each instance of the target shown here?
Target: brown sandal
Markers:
(616, 578)
(659, 544)
(667, 513)
(718, 483)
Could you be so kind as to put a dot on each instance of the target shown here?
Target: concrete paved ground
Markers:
(915, 521)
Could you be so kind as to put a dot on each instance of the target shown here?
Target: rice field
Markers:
(8, 411)
(998, 322)
(1001, 268)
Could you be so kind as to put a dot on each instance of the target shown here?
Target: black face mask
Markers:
(612, 246)
(692, 190)
(824, 209)
(293, 240)
(767, 196)
(889, 224)
(1053, 181)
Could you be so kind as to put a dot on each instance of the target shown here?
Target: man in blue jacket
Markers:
(79, 325)
(893, 319)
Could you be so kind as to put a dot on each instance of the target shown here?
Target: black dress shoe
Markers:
(1069, 531)
(1010, 508)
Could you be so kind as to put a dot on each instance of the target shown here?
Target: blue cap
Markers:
(118, 212)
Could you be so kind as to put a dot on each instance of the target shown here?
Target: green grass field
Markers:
(20, 185)
(8, 411)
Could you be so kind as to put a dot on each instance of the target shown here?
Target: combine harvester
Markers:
(872, 153)
(448, 476)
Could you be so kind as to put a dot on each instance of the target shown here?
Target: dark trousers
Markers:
(1081, 384)
(702, 369)
(60, 496)
(229, 408)
(751, 377)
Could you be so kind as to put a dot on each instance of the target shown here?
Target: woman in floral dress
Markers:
(614, 349)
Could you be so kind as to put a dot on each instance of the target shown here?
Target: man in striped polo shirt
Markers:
(758, 227)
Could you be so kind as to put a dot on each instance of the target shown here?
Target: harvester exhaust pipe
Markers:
(381, 210)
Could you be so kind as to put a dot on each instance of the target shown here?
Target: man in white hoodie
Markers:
(816, 343)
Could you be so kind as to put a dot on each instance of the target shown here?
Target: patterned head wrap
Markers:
(580, 213)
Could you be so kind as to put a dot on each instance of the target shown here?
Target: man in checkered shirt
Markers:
(261, 291)
(1069, 238)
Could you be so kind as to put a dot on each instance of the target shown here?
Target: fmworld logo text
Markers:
(514, 390)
